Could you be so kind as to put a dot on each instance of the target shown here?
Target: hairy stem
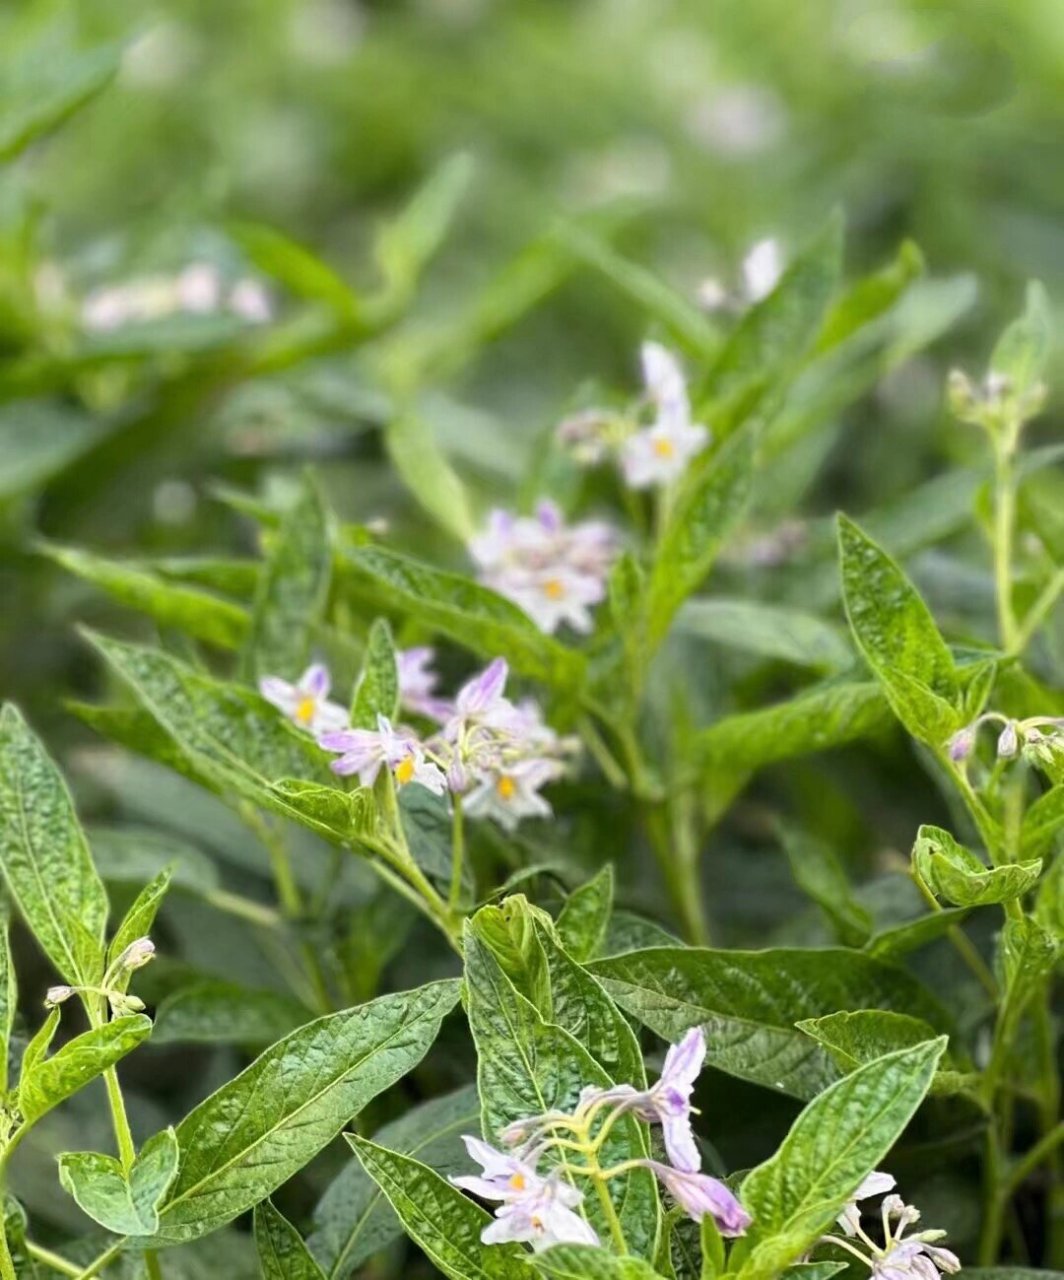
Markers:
(609, 1212)
(53, 1260)
(677, 856)
(1004, 523)
(457, 854)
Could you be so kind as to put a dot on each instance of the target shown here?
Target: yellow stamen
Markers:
(664, 448)
(537, 1222)
(404, 770)
(305, 710)
(518, 1182)
(506, 787)
(554, 589)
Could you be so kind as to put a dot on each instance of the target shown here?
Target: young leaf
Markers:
(44, 855)
(282, 1253)
(855, 1038)
(749, 1001)
(377, 692)
(1023, 350)
(585, 1262)
(40, 1043)
(442, 1222)
(291, 592)
(871, 296)
(838, 1139)
(956, 875)
(46, 1082)
(584, 918)
(353, 1220)
(429, 476)
(468, 613)
(260, 1128)
(711, 499)
(898, 637)
(140, 917)
(127, 1204)
(213, 1011)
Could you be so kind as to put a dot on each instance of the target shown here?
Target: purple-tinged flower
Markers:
(417, 683)
(914, 1259)
(659, 454)
(365, 751)
(513, 793)
(1008, 741)
(698, 1194)
(505, 1175)
(874, 1185)
(250, 301)
(961, 745)
(306, 702)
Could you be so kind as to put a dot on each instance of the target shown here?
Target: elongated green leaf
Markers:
(819, 874)
(838, 1139)
(749, 1001)
(955, 874)
(406, 244)
(377, 692)
(8, 996)
(468, 613)
(585, 917)
(48, 1081)
(197, 613)
(898, 637)
(1023, 350)
(44, 855)
(140, 917)
(39, 439)
(527, 1066)
(900, 939)
(775, 335)
(855, 1038)
(244, 1141)
(429, 476)
(292, 590)
(296, 267)
(711, 499)
(212, 1011)
(445, 1224)
(39, 1044)
(282, 1253)
(768, 630)
(353, 1219)
(871, 296)
(127, 1204)
(584, 1262)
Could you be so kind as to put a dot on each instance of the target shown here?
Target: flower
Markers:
(659, 454)
(760, 272)
(250, 301)
(698, 1194)
(364, 751)
(57, 995)
(553, 571)
(914, 1258)
(534, 1209)
(306, 702)
(417, 681)
(510, 794)
(137, 954)
(874, 1185)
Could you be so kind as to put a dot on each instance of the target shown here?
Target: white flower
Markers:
(914, 1259)
(365, 751)
(874, 1185)
(306, 702)
(249, 300)
(198, 289)
(513, 793)
(762, 268)
(417, 682)
(660, 453)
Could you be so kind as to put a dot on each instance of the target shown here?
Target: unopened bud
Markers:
(963, 399)
(960, 746)
(1008, 741)
(137, 954)
(57, 995)
(123, 1004)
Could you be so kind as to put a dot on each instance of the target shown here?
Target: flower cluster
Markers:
(541, 1208)
(492, 752)
(901, 1256)
(198, 289)
(1038, 738)
(554, 571)
(654, 453)
(113, 983)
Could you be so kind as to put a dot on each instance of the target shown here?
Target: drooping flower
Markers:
(698, 1194)
(900, 1256)
(660, 453)
(1038, 738)
(417, 683)
(306, 702)
(554, 571)
(915, 1259)
(365, 751)
(874, 1185)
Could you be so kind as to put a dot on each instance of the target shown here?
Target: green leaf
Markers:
(774, 337)
(40, 1043)
(291, 591)
(39, 439)
(712, 1248)
(8, 996)
(471, 615)
(1043, 819)
(749, 1001)
(196, 613)
(213, 1011)
(426, 472)
(585, 1262)
(132, 854)
(838, 1139)
(911, 935)
(1023, 350)
(260, 1128)
(353, 1220)
(819, 874)
(898, 637)
(140, 917)
(855, 1038)
(127, 1204)
(300, 270)
(871, 296)
(585, 917)
(711, 498)
(527, 1066)
(282, 1253)
(44, 855)
(406, 244)
(442, 1222)
(46, 1082)
(956, 875)
(767, 630)
(377, 692)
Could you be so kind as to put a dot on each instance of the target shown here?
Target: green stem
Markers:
(7, 1265)
(457, 854)
(963, 945)
(1026, 1165)
(236, 904)
(152, 1266)
(127, 1152)
(610, 1213)
(994, 1215)
(679, 869)
(1004, 522)
(52, 1260)
(98, 1263)
(1038, 613)
(595, 743)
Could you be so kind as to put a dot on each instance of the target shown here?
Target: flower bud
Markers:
(1008, 742)
(57, 995)
(960, 746)
(137, 954)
